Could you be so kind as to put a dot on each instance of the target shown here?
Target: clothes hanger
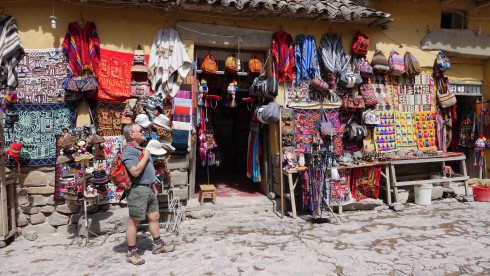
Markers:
(2, 13)
(82, 20)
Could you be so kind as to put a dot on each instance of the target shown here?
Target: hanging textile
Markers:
(108, 118)
(283, 56)
(305, 57)
(365, 182)
(11, 50)
(414, 94)
(332, 54)
(82, 48)
(36, 129)
(425, 125)
(384, 132)
(169, 62)
(114, 75)
(254, 152)
(405, 129)
(41, 76)
(340, 191)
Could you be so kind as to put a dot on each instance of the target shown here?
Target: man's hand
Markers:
(146, 152)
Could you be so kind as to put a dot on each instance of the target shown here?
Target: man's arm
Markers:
(140, 166)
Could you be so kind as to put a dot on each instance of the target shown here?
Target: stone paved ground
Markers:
(446, 238)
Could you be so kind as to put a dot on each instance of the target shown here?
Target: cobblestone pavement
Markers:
(445, 238)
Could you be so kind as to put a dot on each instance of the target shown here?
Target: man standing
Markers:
(141, 198)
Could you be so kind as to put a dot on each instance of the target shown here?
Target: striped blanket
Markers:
(11, 50)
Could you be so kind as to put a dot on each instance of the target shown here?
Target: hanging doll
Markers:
(232, 89)
(207, 147)
(82, 155)
(203, 91)
(480, 145)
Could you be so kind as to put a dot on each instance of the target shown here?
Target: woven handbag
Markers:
(445, 96)
(119, 175)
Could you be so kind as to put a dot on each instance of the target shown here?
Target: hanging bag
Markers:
(327, 127)
(371, 117)
(442, 62)
(352, 104)
(209, 65)
(396, 63)
(232, 64)
(360, 44)
(445, 96)
(365, 69)
(255, 66)
(380, 62)
(368, 94)
(265, 87)
(412, 66)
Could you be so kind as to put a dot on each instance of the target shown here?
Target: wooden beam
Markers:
(445, 2)
(482, 4)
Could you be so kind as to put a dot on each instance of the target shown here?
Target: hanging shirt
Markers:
(283, 56)
(81, 47)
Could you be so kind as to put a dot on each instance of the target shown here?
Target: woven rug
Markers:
(36, 129)
(114, 75)
(41, 76)
(415, 94)
(107, 117)
(365, 182)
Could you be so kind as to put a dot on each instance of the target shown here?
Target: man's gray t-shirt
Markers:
(131, 157)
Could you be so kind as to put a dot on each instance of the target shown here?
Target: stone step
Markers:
(228, 206)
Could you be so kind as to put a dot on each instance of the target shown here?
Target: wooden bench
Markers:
(205, 190)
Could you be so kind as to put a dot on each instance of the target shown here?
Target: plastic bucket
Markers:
(423, 194)
(481, 193)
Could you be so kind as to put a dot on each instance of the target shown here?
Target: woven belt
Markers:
(144, 185)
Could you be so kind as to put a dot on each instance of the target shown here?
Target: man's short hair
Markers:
(127, 130)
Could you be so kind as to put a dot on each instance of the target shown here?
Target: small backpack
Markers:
(412, 66)
(255, 65)
(209, 65)
(360, 44)
(396, 64)
(232, 64)
(365, 69)
(380, 62)
(119, 174)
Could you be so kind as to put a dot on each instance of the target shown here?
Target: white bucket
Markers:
(423, 194)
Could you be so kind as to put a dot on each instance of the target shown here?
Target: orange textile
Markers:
(114, 75)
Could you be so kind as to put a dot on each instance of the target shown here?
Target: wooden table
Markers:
(292, 186)
(385, 174)
(441, 159)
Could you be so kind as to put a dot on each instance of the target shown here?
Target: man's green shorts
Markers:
(141, 200)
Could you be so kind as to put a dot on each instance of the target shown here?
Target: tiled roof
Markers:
(330, 10)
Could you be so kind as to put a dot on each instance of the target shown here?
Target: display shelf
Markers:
(243, 74)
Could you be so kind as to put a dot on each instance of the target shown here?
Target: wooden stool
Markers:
(207, 189)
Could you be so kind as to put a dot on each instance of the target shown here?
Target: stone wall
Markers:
(38, 213)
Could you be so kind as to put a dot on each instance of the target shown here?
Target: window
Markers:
(453, 20)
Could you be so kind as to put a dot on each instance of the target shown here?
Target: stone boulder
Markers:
(48, 209)
(68, 209)
(57, 219)
(35, 179)
(22, 220)
(113, 221)
(37, 218)
(30, 210)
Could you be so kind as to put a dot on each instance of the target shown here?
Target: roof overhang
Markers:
(341, 11)
(462, 43)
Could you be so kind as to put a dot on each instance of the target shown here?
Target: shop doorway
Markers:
(230, 127)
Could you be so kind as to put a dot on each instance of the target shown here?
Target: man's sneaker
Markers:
(134, 258)
(162, 248)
